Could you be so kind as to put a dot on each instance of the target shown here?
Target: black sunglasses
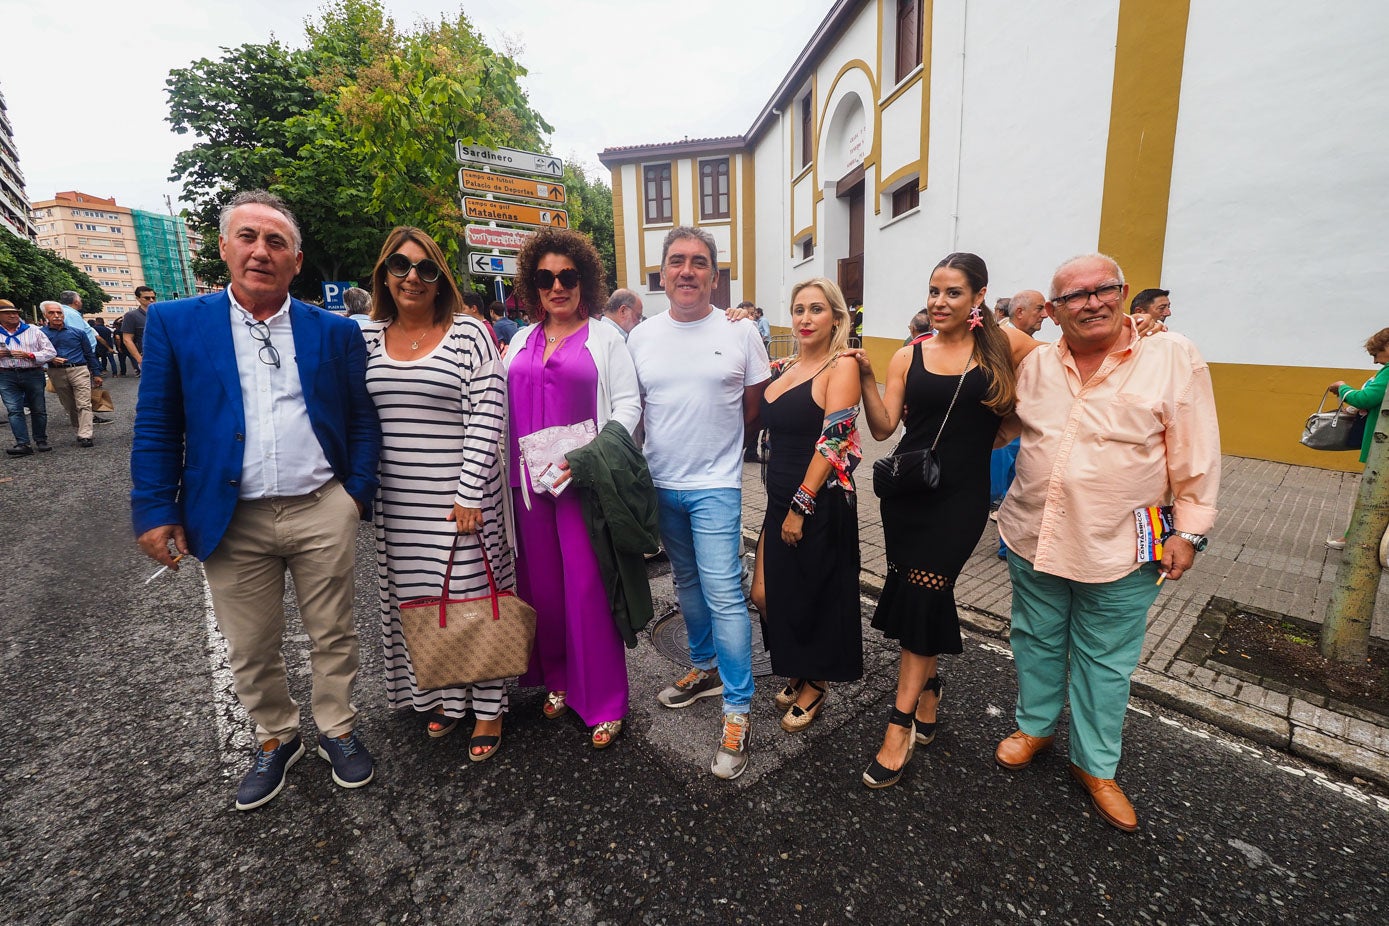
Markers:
(544, 279)
(399, 266)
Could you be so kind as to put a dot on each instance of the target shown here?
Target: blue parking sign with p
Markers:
(332, 295)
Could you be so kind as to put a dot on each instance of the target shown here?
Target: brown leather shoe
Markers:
(1108, 799)
(1019, 749)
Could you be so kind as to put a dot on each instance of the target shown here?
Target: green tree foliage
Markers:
(590, 205)
(355, 131)
(30, 274)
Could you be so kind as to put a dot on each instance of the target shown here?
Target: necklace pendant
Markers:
(414, 345)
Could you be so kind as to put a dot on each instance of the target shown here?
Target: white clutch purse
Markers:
(542, 454)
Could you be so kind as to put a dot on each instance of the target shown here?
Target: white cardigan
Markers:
(619, 396)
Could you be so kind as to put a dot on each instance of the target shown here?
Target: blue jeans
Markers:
(1002, 469)
(701, 532)
(19, 388)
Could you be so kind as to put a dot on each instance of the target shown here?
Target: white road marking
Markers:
(234, 740)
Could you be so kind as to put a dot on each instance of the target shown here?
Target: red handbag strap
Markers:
(448, 578)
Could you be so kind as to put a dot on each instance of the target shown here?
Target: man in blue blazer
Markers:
(255, 450)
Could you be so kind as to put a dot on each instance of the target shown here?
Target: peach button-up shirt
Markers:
(1142, 431)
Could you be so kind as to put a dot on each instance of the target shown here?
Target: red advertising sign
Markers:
(502, 239)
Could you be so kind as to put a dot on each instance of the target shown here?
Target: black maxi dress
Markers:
(812, 627)
(930, 537)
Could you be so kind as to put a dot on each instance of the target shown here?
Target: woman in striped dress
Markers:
(438, 386)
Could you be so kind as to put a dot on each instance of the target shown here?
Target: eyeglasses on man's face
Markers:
(1108, 294)
(398, 265)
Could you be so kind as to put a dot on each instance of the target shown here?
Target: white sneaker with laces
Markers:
(731, 758)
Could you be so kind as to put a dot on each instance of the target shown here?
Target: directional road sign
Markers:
(491, 265)
(527, 162)
(494, 210)
(486, 237)
(479, 182)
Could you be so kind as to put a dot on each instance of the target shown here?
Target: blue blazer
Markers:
(185, 464)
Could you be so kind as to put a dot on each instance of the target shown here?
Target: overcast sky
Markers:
(84, 80)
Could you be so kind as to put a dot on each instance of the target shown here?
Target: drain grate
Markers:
(671, 641)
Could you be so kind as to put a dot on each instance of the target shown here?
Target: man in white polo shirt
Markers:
(702, 378)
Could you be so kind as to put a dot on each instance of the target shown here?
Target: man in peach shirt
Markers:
(1110, 423)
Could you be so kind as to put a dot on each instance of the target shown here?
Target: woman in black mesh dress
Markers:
(951, 390)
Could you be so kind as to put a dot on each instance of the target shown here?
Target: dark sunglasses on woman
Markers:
(399, 266)
(544, 279)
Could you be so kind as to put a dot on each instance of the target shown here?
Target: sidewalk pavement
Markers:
(1267, 551)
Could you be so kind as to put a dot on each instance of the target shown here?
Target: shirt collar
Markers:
(1063, 349)
(242, 309)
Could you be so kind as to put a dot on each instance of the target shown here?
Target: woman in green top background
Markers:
(1367, 398)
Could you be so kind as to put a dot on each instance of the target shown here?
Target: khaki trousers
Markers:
(314, 537)
(73, 386)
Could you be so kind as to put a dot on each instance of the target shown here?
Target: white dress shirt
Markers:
(283, 456)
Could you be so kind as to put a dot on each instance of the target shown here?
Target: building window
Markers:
(908, 37)
(807, 130)
(653, 282)
(657, 192)
(713, 189)
(807, 248)
(906, 199)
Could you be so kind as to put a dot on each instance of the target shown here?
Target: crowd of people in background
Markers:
(418, 408)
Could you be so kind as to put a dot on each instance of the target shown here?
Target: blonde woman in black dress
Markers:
(806, 580)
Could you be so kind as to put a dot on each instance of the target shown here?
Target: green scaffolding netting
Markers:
(163, 243)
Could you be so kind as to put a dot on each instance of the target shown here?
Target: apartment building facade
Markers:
(14, 201)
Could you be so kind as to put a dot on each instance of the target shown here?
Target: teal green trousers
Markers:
(1080, 642)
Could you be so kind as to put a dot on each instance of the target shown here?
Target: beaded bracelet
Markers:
(803, 501)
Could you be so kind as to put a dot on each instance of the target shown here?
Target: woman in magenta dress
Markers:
(565, 369)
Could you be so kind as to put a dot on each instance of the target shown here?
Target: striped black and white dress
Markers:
(441, 423)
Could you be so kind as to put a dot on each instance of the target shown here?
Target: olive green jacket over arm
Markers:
(619, 503)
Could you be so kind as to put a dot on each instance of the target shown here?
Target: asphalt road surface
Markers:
(122, 747)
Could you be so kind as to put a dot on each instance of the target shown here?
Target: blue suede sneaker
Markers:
(267, 775)
(352, 766)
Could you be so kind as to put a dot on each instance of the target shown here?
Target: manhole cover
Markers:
(669, 636)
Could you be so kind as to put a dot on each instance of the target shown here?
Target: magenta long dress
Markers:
(577, 646)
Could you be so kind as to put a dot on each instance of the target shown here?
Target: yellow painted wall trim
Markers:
(1262, 411)
(619, 230)
(913, 167)
(749, 227)
(880, 350)
(1149, 50)
(902, 88)
(732, 214)
(641, 220)
(928, 15)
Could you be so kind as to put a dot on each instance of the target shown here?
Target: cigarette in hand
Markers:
(1162, 576)
(163, 569)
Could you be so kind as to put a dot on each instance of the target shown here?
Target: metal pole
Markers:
(1345, 636)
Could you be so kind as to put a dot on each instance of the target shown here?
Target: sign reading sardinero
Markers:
(501, 239)
(527, 162)
(477, 181)
(494, 210)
